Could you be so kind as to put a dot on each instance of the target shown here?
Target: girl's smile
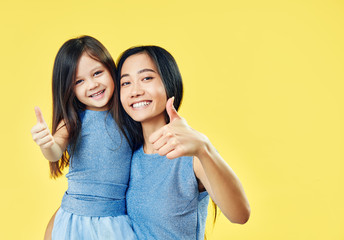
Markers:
(98, 95)
(94, 86)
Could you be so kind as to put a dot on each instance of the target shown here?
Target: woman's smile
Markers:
(141, 104)
(142, 92)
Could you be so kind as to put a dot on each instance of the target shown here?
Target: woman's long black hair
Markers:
(65, 104)
(170, 76)
(172, 80)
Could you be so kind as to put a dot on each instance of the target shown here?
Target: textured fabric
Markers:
(97, 181)
(71, 226)
(163, 200)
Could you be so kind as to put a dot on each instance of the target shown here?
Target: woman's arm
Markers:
(52, 147)
(222, 184)
(178, 139)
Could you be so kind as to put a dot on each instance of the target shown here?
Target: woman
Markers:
(167, 199)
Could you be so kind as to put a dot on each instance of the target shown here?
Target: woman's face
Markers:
(142, 92)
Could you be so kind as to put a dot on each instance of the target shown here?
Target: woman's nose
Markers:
(137, 90)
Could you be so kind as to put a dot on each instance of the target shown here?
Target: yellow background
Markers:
(263, 80)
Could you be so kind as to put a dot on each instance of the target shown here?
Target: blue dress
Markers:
(163, 200)
(93, 207)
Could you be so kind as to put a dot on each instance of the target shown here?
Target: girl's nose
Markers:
(92, 84)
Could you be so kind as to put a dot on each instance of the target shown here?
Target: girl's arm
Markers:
(52, 147)
(178, 139)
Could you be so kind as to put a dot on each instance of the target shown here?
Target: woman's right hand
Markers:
(40, 132)
(177, 138)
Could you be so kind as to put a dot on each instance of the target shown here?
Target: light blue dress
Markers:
(93, 207)
(163, 200)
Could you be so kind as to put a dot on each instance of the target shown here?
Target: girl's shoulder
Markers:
(61, 128)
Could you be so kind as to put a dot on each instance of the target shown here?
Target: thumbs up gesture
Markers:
(40, 132)
(176, 138)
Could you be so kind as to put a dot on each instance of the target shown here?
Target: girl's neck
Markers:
(147, 129)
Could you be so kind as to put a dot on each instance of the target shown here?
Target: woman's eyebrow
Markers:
(141, 71)
(124, 75)
(146, 70)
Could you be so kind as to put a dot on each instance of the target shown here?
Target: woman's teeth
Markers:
(140, 104)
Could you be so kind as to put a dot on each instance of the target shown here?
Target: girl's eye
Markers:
(97, 73)
(78, 82)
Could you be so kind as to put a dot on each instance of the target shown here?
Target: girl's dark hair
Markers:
(170, 76)
(65, 104)
(172, 80)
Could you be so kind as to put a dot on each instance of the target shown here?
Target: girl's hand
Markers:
(41, 133)
(177, 138)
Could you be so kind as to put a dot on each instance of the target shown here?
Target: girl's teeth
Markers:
(140, 104)
(94, 95)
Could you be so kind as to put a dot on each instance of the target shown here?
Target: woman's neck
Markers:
(147, 129)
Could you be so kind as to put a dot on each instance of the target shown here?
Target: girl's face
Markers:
(94, 85)
(143, 94)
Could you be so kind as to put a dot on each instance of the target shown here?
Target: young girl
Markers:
(167, 199)
(86, 137)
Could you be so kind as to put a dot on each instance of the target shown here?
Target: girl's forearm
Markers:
(53, 153)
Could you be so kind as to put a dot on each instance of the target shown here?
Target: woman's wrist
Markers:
(204, 149)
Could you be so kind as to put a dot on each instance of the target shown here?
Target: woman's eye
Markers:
(147, 78)
(78, 82)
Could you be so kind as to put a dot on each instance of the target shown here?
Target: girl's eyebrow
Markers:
(141, 71)
(92, 70)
